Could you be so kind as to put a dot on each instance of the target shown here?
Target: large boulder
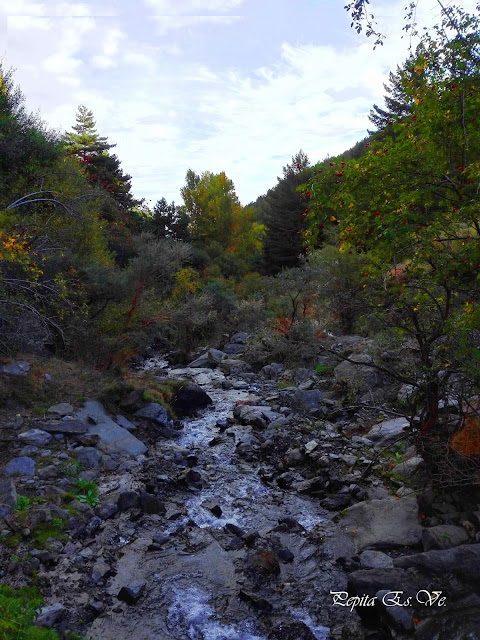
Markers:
(212, 358)
(357, 374)
(154, 412)
(384, 524)
(189, 398)
(111, 437)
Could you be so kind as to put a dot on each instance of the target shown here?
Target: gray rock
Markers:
(258, 416)
(8, 498)
(29, 450)
(48, 472)
(271, 371)
(106, 511)
(443, 536)
(463, 561)
(128, 500)
(151, 504)
(308, 400)
(100, 570)
(211, 358)
(23, 466)
(400, 616)
(50, 615)
(88, 457)
(125, 423)
(232, 349)
(388, 430)
(357, 374)
(311, 446)
(155, 412)
(112, 437)
(61, 409)
(370, 559)
(383, 524)
(67, 427)
(239, 338)
(16, 368)
(131, 593)
(407, 468)
(311, 486)
(37, 437)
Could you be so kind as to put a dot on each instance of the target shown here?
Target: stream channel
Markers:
(206, 582)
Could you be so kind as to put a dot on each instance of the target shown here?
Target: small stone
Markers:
(285, 555)
(132, 593)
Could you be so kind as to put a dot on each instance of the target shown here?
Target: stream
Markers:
(205, 582)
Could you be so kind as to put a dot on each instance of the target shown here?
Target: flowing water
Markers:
(193, 583)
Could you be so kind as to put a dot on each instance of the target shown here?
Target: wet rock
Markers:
(128, 500)
(131, 593)
(388, 430)
(88, 457)
(292, 631)
(154, 412)
(262, 565)
(61, 409)
(259, 603)
(37, 437)
(22, 466)
(232, 528)
(161, 538)
(50, 615)
(213, 506)
(190, 398)
(375, 560)
(383, 524)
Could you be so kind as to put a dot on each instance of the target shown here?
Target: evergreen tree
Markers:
(396, 104)
(284, 211)
(170, 221)
(102, 169)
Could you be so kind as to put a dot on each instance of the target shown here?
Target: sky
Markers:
(238, 86)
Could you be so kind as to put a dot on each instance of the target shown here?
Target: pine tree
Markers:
(84, 140)
(283, 209)
(396, 104)
(102, 168)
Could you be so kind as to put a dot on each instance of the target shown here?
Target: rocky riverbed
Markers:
(237, 522)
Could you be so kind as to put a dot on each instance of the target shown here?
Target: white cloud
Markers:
(139, 59)
(167, 23)
(192, 7)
